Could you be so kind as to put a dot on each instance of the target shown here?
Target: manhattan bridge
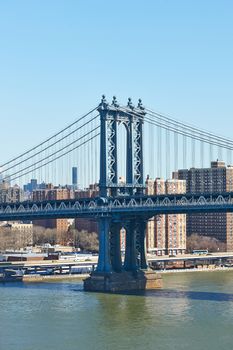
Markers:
(115, 147)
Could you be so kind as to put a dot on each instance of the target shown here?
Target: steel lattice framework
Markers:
(119, 208)
(132, 118)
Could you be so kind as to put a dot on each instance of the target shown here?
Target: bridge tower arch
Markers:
(111, 116)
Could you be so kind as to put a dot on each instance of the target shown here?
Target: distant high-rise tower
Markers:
(75, 177)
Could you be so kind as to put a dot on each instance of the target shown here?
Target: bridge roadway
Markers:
(120, 207)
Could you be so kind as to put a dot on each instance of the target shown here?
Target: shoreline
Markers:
(51, 278)
(204, 269)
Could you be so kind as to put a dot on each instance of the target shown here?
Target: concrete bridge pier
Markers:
(142, 245)
(110, 275)
(115, 247)
(104, 261)
(131, 253)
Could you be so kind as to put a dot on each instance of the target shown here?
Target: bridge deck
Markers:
(119, 207)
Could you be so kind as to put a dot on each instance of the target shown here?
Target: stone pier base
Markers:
(123, 281)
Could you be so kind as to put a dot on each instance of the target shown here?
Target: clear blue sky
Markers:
(58, 56)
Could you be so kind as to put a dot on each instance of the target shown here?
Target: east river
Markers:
(192, 311)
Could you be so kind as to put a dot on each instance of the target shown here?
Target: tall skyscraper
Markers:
(31, 186)
(74, 178)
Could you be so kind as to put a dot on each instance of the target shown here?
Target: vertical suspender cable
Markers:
(154, 151)
(167, 154)
(151, 151)
(176, 151)
(85, 160)
(210, 153)
(184, 151)
(158, 151)
(91, 155)
(193, 152)
(219, 153)
(61, 180)
(68, 171)
(80, 165)
(202, 154)
(97, 160)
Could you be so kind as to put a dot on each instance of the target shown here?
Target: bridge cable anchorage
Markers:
(50, 145)
(58, 157)
(50, 138)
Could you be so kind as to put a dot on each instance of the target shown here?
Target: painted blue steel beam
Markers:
(123, 200)
(120, 208)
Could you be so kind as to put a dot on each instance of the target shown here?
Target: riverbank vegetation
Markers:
(197, 242)
(14, 239)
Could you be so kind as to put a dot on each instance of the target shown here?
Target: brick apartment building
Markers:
(217, 178)
(52, 193)
(166, 234)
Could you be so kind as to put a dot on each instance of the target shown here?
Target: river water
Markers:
(192, 311)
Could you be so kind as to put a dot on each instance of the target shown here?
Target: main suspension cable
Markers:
(58, 157)
(52, 154)
(49, 146)
(50, 138)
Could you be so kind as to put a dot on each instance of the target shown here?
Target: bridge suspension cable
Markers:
(172, 148)
(190, 128)
(50, 145)
(183, 129)
(58, 157)
(198, 138)
(189, 134)
(48, 139)
(38, 160)
(51, 155)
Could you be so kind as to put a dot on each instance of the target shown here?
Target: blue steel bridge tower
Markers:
(132, 119)
(110, 261)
